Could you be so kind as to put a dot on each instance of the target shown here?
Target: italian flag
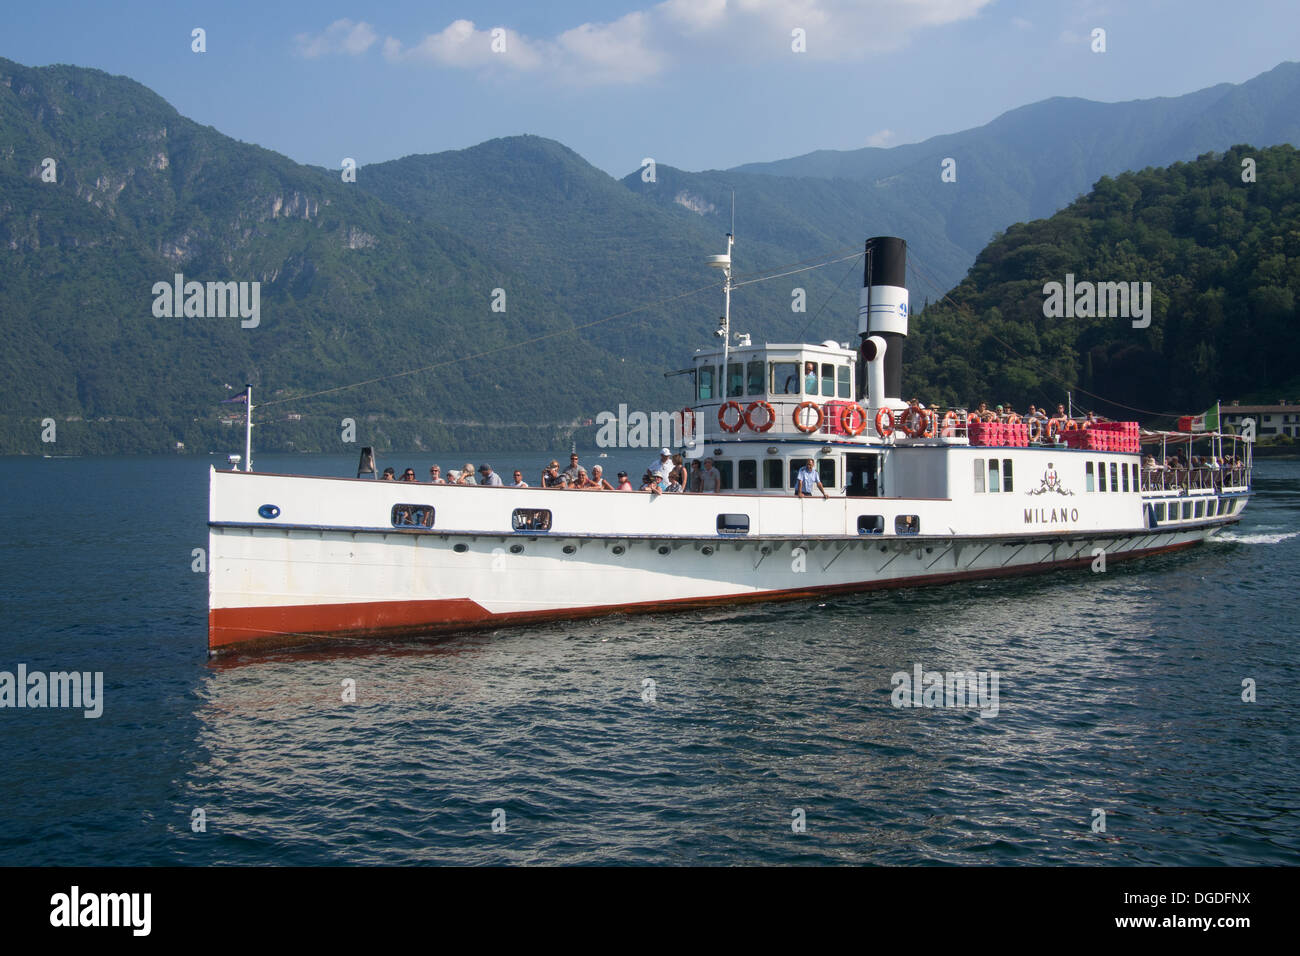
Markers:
(1208, 421)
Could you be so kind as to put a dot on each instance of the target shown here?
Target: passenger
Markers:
(985, 415)
(582, 481)
(571, 473)
(710, 479)
(1091, 419)
(551, 477)
(807, 480)
(999, 415)
(678, 475)
(408, 475)
(489, 477)
(467, 475)
(652, 483)
(810, 377)
(623, 483)
(598, 481)
(519, 480)
(388, 475)
(435, 475)
(663, 467)
(693, 483)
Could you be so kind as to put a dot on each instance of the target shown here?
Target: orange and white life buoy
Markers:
(931, 422)
(798, 422)
(1053, 427)
(913, 422)
(1035, 429)
(1070, 425)
(847, 413)
(722, 417)
(1013, 419)
(767, 409)
(951, 422)
(884, 423)
(973, 418)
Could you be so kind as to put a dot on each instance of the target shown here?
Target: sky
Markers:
(696, 84)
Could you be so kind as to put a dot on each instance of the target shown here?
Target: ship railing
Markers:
(1185, 481)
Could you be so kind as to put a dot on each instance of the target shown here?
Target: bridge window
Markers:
(705, 376)
(785, 378)
(979, 476)
(828, 378)
(871, 524)
(754, 377)
(1088, 483)
(735, 379)
(748, 474)
(412, 516)
(733, 524)
(531, 519)
(845, 386)
(907, 524)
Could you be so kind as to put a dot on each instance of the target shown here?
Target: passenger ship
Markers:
(299, 559)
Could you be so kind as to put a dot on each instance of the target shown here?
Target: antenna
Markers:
(733, 210)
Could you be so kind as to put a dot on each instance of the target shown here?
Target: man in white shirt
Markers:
(664, 466)
(808, 480)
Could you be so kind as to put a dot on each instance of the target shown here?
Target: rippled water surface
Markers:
(1119, 692)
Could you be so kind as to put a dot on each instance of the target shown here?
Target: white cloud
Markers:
(881, 138)
(645, 43)
(341, 36)
(1020, 23)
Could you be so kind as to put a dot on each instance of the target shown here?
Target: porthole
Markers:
(706, 550)
(664, 549)
(516, 549)
(460, 548)
(619, 549)
(569, 549)
(269, 511)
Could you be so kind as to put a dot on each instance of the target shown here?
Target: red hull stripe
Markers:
(257, 628)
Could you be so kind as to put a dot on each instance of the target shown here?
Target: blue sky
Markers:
(697, 84)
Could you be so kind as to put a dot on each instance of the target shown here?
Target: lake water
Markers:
(1120, 692)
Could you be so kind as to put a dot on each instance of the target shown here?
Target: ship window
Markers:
(412, 516)
(1114, 477)
(1187, 509)
(706, 382)
(1101, 476)
(828, 378)
(871, 524)
(810, 378)
(531, 519)
(724, 474)
(907, 524)
(993, 475)
(1160, 511)
(785, 378)
(979, 476)
(1124, 474)
(1133, 469)
(1088, 483)
(748, 471)
(826, 471)
(733, 524)
(1006, 474)
(1223, 506)
(754, 377)
(735, 379)
(772, 473)
(845, 386)
(1200, 509)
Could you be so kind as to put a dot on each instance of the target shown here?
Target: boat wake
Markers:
(1255, 538)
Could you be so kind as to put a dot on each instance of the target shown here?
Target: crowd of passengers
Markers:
(668, 475)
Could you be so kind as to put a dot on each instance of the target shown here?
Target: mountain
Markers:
(1222, 259)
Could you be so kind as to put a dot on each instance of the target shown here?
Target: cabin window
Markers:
(826, 471)
(733, 524)
(1187, 509)
(531, 519)
(810, 378)
(1200, 509)
(828, 379)
(754, 377)
(1160, 511)
(1088, 483)
(412, 516)
(747, 472)
(979, 476)
(725, 474)
(772, 473)
(1133, 469)
(1124, 472)
(993, 475)
(907, 524)
(1223, 506)
(1114, 477)
(1006, 474)
(785, 378)
(735, 379)
(845, 386)
(705, 376)
(871, 524)
(1101, 476)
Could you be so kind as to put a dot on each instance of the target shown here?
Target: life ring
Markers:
(722, 417)
(847, 413)
(766, 407)
(931, 423)
(1053, 427)
(973, 418)
(1035, 429)
(1085, 425)
(913, 422)
(799, 424)
(1070, 425)
(951, 422)
(884, 423)
(1013, 419)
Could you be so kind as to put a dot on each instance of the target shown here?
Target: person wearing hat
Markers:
(489, 477)
(623, 483)
(663, 467)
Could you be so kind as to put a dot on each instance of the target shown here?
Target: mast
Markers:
(248, 431)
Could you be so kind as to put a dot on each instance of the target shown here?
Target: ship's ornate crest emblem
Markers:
(1051, 483)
